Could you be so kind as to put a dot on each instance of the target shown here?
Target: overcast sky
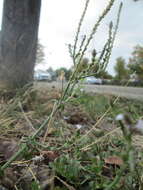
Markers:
(59, 20)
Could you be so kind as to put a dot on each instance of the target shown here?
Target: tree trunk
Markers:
(18, 42)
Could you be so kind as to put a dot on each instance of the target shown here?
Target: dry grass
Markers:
(22, 115)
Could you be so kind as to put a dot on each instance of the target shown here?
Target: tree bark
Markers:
(18, 42)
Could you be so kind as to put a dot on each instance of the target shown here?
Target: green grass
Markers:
(96, 105)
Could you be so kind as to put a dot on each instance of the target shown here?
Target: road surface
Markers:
(128, 92)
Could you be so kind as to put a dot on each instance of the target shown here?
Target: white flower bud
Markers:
(119, 117)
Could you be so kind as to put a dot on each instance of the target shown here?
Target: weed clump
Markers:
(61, 144)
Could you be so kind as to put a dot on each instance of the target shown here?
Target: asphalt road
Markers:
(128, 92)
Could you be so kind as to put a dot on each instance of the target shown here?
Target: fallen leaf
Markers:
(49, 155)
(114, 160)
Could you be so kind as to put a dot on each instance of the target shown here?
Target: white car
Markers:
(42, 76)
(93, 80)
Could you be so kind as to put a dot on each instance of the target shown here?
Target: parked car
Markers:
(93, 80)
(42, 75)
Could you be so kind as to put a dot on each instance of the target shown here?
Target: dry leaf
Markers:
(49, 155)
(114, 160)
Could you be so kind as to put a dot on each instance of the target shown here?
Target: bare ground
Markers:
(128, 92)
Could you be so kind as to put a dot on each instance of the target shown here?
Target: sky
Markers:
(59, 21)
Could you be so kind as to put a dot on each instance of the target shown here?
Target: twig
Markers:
(64, 183)
(26, 118)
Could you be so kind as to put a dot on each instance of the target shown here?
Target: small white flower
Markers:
(81, 90)
(139, 126)
(119, 117)
(66, 118)
(79, 126)
(37, 159)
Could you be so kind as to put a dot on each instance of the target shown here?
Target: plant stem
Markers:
(117, 178)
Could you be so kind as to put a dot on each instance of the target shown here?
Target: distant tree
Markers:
(120, 69)
(50, 70)
(104, 75)
(40, 55)
(52, 73)
(136, 62)
(67, 72)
